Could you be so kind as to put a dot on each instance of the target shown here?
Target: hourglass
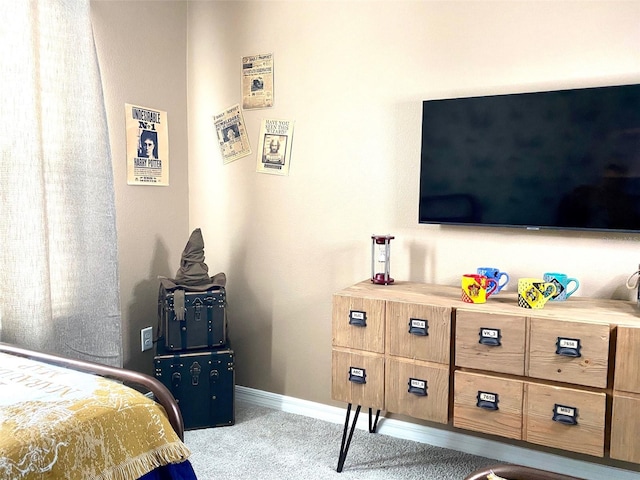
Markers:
(380, 258)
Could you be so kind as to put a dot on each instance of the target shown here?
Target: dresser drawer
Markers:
(358, 323)
(417, 389)
(625, 427)
(565, 418)
(627, 376)
(357, 378)
(419, 331)
(572, 352)
(488, 341)
(488, 404)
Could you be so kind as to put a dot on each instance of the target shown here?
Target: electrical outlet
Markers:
(146, 338)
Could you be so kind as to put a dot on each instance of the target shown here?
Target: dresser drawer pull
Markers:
(568, 347)
(417, 387)
(358, 318)
(564, 414)
(487, 400)
(418, 327)
(357, 375)
(490, 337)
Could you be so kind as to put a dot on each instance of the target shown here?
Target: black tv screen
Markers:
(566, 159)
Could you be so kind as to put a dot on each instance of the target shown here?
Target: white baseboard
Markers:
(438, 437)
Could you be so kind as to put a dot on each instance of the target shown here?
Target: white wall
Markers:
(353, 75)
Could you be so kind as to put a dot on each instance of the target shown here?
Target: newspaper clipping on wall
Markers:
(257, 81)
(232, 134)
(274, 153)
(147, 146)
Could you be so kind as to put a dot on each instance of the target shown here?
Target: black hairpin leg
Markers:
(344, 446)
(372, 427)
(346, 440)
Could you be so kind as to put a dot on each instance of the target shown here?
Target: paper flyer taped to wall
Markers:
(147, 146)
(257, 81)
(232, 135)
(274, 151)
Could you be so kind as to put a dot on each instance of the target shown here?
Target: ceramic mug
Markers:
(534, 292)
(562, 283)
(496, 274)
(477, 288)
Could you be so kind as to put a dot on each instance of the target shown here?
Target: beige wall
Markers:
(352, 75)
(142, 54)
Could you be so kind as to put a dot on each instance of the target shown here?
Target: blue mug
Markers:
(502, 278)
(562, 283)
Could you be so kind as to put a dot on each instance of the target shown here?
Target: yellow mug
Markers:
(477, 288)
(535, 292)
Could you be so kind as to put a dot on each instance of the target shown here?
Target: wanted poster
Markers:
(274, 153)
(232, 134)
(147, 146)
(257, 81)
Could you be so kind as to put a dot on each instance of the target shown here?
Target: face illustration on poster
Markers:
(231, 134)
(273, 155)
(148, 145)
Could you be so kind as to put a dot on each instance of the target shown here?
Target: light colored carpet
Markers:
(271, 444)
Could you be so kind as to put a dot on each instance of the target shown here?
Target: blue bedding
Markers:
(173, 471)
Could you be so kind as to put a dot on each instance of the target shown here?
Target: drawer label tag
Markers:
(418, 327)
(490, 337)
(568, 347)
(357, 375)
(418, 387)
(358, 318)
(565, 414)
(487, 400)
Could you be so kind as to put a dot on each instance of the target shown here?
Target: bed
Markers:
(65, 418)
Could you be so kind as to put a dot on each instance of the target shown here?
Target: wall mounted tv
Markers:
(566, 159)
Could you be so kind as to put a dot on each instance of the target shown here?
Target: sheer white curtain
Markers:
(58, 258)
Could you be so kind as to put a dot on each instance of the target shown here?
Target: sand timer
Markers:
(380, 258)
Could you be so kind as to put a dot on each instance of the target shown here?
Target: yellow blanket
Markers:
(59, 423)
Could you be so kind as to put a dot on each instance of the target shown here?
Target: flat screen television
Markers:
(565, 159)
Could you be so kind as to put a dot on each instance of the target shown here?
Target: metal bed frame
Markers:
(517, 472)
(161, 394)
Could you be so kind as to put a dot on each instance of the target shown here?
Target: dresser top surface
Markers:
(618, 312)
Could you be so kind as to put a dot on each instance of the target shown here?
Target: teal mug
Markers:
(563, 283)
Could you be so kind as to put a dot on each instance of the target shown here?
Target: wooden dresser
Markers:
(566, 376)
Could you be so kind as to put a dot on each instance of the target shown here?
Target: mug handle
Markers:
(569, 280)
(490, 290)
(501, 275)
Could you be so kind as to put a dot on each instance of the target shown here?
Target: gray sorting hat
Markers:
(193, 273)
